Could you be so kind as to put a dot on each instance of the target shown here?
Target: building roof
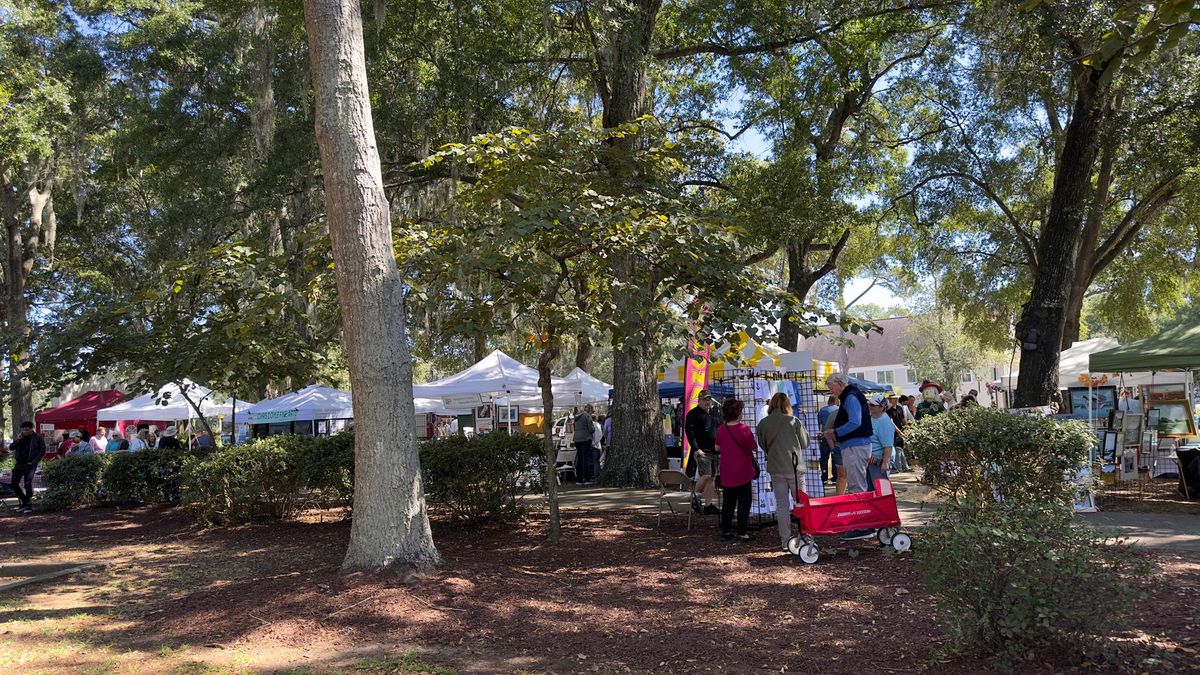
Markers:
(874, 349)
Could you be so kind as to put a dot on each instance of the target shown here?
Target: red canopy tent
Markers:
(78, 413)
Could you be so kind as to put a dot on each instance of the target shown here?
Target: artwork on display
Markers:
(1153, 393)
(1129, 467)
(1152, 416)
(1084, 486)
(1103, 401)
(508, 414)
(484, 418)
(1175, 419)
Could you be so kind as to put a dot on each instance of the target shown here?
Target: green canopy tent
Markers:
(1174, 349)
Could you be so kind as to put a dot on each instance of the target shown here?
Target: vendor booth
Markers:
(167, 406)
(312, 411)
(78, 413)
(1166, 415)
(493, 388)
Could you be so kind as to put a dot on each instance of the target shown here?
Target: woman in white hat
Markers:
(168, 440)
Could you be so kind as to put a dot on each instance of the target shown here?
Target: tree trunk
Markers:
(545, 373)
(637, 438)
(390, 524)
(637, 434)
(22, 247)
(799, 283)
(1043, 318)
(479, 343)
(584, 350)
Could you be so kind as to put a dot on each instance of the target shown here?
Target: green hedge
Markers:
(980, 453)
(482, 477)
(473, 479)
(146, 477)
(73, 481)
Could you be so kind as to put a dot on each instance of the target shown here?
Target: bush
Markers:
(482, 477)
(241, 483)
(326, 468)
(146, 477)
(266, 478)
(1016, 577)
(72, 481)
(981, 453)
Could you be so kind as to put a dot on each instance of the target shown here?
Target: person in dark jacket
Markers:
(28, 451)
(852, 433)
(168, 440)
(701, 429)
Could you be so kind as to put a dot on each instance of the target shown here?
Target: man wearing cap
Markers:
(701, 430)
(79, 446)
(852, 433)
(883, 440)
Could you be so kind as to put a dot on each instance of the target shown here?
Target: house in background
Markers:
(878, 357)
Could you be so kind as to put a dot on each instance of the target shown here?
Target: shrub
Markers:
(242, 482)
(72, 481)
(326, 468)
(1018, 576)
(481, 477)
(980, 453)
(146, 477)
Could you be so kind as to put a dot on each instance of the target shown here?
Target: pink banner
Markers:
(695, 378)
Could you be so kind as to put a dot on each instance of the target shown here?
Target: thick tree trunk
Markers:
(479, 342)
(637, 439)
(1043, 318)
(637, 434)
(800, 281)
(390, 524)
(21, 252)
(545, 373)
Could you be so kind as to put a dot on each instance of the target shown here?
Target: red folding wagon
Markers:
(845, 513)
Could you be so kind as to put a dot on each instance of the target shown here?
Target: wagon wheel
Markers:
(901, 542)
(885, 535)
(809, 553)
(795, 544)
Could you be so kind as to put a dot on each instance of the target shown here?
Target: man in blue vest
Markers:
(852, 433)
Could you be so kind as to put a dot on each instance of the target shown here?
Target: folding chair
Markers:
(675, 487)
(563, 464)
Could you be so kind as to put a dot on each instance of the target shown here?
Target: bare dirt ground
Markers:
(615, 595)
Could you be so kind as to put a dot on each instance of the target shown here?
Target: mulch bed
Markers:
(614, 594)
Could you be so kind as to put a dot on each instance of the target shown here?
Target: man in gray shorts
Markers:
(852, 433)
(701, 430)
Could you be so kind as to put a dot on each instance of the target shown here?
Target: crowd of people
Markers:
(591, 437)
(862, 441)
(29, 450)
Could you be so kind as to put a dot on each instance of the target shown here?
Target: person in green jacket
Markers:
(783, 437)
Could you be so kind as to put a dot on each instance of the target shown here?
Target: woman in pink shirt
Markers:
(736, 446)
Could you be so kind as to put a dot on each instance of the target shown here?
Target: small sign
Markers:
(274, 417)
(47, 428)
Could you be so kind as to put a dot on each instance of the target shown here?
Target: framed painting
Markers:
(1153, 393)
(1103, 401)
(1175, 419)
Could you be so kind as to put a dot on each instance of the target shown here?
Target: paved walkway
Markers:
(1170, 532)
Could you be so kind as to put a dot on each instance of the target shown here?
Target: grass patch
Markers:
(409, 662)
(169, 651)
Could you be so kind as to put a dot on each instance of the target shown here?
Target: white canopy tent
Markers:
(495, 378)
(313, 402)
(577, 387)
(168, 404)
(424, 406)
(1073, 362)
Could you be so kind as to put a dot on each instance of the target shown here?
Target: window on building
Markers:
(912, 376)
(885, 376)
(968, 377)
(860, 375)
(995, 373)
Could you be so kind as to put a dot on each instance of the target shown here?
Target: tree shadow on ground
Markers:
(616, 592)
